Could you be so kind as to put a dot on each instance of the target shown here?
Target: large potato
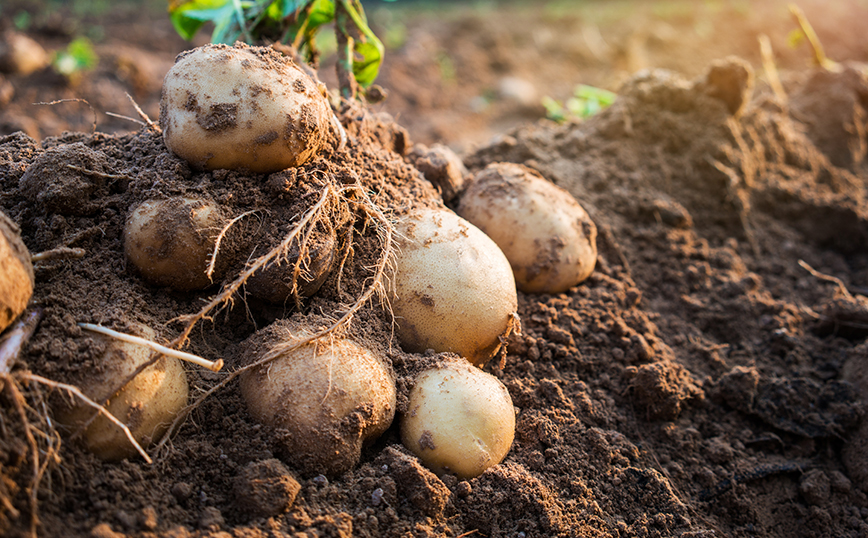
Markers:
(453, 289)
(242, 107)
(326, 399)
(460, 420)
(548, 238)
(16, 273)
(147, 404)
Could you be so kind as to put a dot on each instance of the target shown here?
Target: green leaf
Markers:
(367, 68)
(189, 17)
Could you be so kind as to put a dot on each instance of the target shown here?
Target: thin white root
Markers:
(102, 410)
(336, 123)
(210, 271)
(828, 278)
(163, 350)
(14, 340)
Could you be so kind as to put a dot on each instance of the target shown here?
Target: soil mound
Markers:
(696, 384)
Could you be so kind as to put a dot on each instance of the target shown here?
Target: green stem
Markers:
(358, 17)
(346, 78)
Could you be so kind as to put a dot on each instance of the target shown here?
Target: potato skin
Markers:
(549, 239)
(16, 273)
(171, 241)
(326, 400)
(453, 289)
(147, 405)
(460, 420)
(242, 107)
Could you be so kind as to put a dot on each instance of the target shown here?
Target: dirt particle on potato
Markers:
(220, 117)
(426, 440)
(266, 138)
(299, 85)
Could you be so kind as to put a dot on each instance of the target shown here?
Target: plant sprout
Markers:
(76, 57)
(290, 22)
(585, 102)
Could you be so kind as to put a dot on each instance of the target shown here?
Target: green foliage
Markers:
(585, 102)
(295, 22)
(78, 56)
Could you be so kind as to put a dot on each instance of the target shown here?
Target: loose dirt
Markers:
(708, 379)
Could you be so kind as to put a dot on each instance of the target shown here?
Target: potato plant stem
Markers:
(163, 350)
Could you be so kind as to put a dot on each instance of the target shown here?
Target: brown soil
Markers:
(707, 380)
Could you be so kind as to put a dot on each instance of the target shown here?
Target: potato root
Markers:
(460, 420)
(548, 238)
(453, 289)
(147, 404)
(16, 273)
(242, 107)
(171, 241)
(325, 399)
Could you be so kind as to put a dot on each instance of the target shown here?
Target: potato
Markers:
(273, 283)
(147, 404)
(242, 107)
(171, 241)
(326, 399)
(460, 420)
(16, 273)
(453, 289)
(548, 238)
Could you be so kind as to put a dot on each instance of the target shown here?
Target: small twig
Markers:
(771, 69)
(755, 474)
(121, 116)
(15, 339)
(142, 114)
(819, 54)
(163, 350)
(74, 100)
(102, 410)
(828, 278)
(59, 253)
(210, 271)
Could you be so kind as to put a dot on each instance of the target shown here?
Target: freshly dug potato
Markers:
(147, 405)
(242, 107)
(453, 289)
(171, 241)
(21, 55)
(326, 399)
(548, 238)
(16, 273)
(460, 420)
(274, 282)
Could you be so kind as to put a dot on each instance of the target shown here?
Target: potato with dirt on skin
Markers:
(146, 405)
(242, 107)
(171, 241)
(16, 272)
(460, 419)
(548, 237)
(325, 399)
(453, 289)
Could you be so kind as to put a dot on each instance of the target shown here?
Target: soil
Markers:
(708, 379)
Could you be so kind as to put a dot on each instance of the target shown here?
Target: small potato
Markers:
(274, 282)
(326, 399)
(453, 289)
(147, 404)
(460, 420)
(242, 107)
(549, 239)
(171, 241)
(16, 273)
